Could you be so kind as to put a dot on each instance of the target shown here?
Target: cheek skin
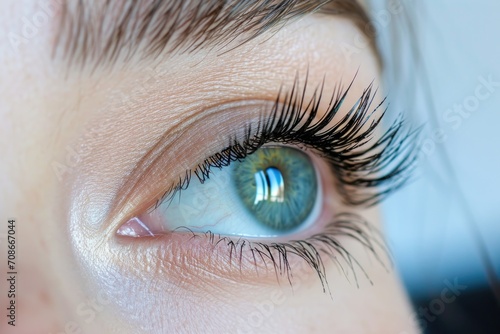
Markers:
(170, 279)
(30, 191)
(73, 276)
(36, 122)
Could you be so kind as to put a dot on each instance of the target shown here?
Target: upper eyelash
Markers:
(365, 172)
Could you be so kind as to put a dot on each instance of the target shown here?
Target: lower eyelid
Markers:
(212, 259)
(201, 256)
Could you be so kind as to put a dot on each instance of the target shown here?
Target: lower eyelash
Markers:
(311, 250)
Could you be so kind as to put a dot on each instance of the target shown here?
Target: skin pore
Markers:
(75, 132)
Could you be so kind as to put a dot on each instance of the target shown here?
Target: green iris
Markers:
(278, 186)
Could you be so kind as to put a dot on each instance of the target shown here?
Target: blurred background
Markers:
(442, 70)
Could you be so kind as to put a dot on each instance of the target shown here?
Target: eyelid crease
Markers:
(179, 140)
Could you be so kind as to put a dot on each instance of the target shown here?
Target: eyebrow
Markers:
(103, 32)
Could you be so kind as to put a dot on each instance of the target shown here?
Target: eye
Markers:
(273, 192)
(288, 185)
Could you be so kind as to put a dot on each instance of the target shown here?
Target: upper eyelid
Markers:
(378, 153)
(98, 36)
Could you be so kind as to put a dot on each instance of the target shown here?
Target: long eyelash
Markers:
(311, 250)
(366, 171)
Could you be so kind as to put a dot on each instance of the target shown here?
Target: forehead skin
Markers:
(66, 268)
